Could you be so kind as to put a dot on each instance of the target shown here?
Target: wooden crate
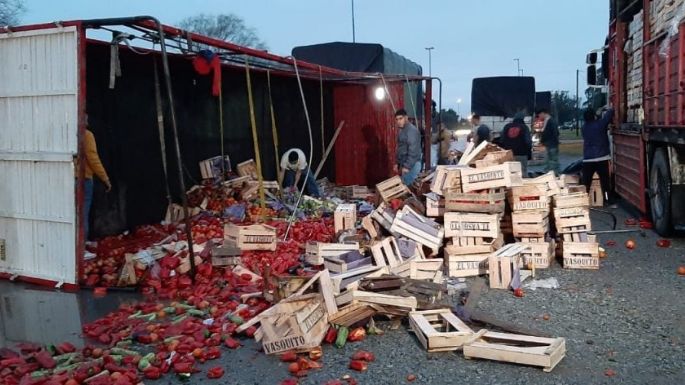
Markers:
(574, 228)
(472, 225)
(299, 323)
(580, 255)
(596, 194)
(253, 237)
(370, 226)
(315, 252)
(567, 179)
(507, 174)
(351, 296)
(350, 279)
(211, 168)
(494, 158)
(469, 265)
(571, 212)
(539, 254)
(547, 182)
(516, 348)
(435, 205)
(238, 182)
(530, 223)
(345, 217)
(418, 228)
(225, 255)
(530, 197)
(386, 252)
(439, 330)
(280, 286)
(488, 201)
(392, 188)
(248, 168)
(475, 245)
(345, 262)
(430, 269)
(384, 215)
(580, 199)
(503, 264)
(446, 178)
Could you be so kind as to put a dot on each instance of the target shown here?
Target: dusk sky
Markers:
(470, 38)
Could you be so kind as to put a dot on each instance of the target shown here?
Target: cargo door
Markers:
(38, 145)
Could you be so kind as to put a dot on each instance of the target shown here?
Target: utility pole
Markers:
(518, 66)
(577, 105)
(429, 49)
(354, 40)
(521, 74)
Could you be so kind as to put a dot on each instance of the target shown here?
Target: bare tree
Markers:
(10, 10)
(228, 27)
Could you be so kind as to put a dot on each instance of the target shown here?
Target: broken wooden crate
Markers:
(281, 286)
(439, 330)
(418, 228)
(426, 269)
(516, 348)
(446, 178)
(486, 201)
(494, 158)
(355, 296)
(539, 254)
(505, 265)
(387, 253)
(528, 197)
(384, 215)
(471, 225)
(392, 188)
(226, 254)
(530, 223)
(252, 237)
(344, 217)
(547, 182)
(507, 174)
(465, 265)
(315, 252)
(298, 323)
(580, 255)
(350, 279)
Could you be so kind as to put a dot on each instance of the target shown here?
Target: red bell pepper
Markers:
(45, 360)
(183, 367)
(289, 356)
(360, 366)
(331, 335)
(215, 372)
(65, 347)
(231, 343)
(363, 355)
(357, 334)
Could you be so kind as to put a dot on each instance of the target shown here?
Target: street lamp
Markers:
(429, 49)
(458, 104)
(353, 37)
(518, 66)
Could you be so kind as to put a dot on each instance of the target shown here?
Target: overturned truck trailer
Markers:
(59, 78)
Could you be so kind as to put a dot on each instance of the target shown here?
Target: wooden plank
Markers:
(520, 349)
(344, 217)
(376, 298)
(472, 225)
(487, 201)
(507, 174)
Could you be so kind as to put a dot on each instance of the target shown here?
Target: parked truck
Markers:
(642, 69)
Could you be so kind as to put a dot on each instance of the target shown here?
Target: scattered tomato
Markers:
(630, 244)
(518, 292)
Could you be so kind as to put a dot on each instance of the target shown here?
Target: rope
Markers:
(411, 98)
(274, 131)
(160, 127)
(323, 145)
(255, 139)
(387, 92)
(311, 148)
(221, 128)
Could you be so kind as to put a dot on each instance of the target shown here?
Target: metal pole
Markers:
(429, 49)
(577, 105)
(354, 40)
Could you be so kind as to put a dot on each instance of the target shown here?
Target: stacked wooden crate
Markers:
(530, 206)
(663, 14)
(572, 220)
(634, 79)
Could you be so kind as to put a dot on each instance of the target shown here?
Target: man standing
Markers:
(443, 138)
(93, 167)
(408, 148)
(550, 139)
(481, 132)
(597, 151)
(293, 165)
(516, 137)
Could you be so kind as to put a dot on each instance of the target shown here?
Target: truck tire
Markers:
(660, 192)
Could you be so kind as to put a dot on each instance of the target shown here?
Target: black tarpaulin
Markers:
(503, 96)
(543, 100)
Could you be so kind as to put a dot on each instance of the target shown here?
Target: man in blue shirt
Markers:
(597, 150)
(408, 154)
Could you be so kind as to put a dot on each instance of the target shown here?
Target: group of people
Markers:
(515, 136)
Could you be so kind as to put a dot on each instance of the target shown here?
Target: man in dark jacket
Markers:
(516, 137)
(408, 148)
(597, 150)
(550, 139)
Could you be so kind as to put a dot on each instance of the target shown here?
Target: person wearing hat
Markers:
(516, 137)
(293, 165)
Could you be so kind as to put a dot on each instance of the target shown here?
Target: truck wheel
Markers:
(660, 192)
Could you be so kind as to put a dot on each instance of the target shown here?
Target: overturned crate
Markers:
(298, 323)
(253, 237)
(392, 188)
(446, 178)
(418, 228)
(505, 267)
(439, 330)
(517, 349)
(385, 216)
(315, 252)
(435, 205)
(346, 262)
(344, 217)
(507, 174)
